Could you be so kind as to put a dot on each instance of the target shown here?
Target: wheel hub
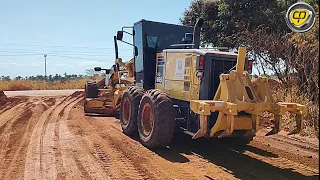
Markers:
(126, 111)
(147, 120)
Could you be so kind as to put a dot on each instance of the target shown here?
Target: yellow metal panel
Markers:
(241, 59)
(174, 60)
(195, 91)
(179, 76)
(95, 104)
(195, 85)
(240, 123)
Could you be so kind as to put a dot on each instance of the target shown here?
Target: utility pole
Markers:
(45, 67)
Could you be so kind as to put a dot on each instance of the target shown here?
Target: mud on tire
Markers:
(156, 119)
(129, 110)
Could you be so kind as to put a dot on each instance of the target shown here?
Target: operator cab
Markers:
(150, 38)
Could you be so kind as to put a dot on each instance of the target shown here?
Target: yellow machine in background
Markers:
(105, 99)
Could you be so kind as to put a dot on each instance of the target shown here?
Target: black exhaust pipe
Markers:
(196, 33)
(116, 47)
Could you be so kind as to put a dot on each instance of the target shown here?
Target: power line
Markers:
(84, 54)
(6, 51)
(83, 58)
(57, 55)
(56, 46)
(57, 51)
(20, 54)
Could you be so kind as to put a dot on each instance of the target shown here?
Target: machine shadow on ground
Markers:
(116, 116)
(229, 156)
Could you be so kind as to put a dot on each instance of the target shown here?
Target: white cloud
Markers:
(34, 65)
(88, 63)
(2, 66)
(61, 65)
(13, 64)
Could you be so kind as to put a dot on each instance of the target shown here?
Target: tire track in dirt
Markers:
(285, 163)
(18, 131)
(16, 142)
(294, 144)
(8, 133)
(35, 167)
(204, 158)
(77, 162)
(47, 138)
(163, 163)
(65, 163)
(13, 113)
(114, 162)
(126, 156)
(12, 102)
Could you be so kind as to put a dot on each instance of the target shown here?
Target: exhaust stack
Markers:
(196, 33)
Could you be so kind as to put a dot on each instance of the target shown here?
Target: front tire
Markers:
(129, 110)
(156, 119)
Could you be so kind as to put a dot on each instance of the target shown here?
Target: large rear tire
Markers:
(156, 119)
(129, 110)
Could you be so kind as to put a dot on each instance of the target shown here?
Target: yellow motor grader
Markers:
(203, 92)
(104, 97)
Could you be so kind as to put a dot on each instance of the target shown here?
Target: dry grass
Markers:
(18, 85)
(310, 123)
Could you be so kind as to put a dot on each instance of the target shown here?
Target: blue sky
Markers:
(76, 35)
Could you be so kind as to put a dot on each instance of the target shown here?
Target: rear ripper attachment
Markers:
(240, 103)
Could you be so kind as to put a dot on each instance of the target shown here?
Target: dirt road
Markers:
(51, 138)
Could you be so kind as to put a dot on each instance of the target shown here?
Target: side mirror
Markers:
(136, 52)
(119, 35)
(97, 68)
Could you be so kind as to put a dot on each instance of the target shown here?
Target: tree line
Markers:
(89, 73)
(260, 26)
